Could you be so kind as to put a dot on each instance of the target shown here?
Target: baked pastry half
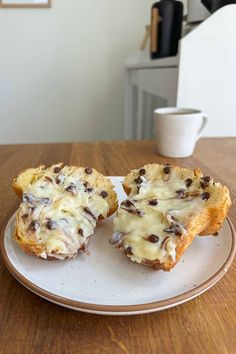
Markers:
(60, 208)
(167, 207)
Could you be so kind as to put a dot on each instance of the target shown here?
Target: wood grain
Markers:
(29, 324)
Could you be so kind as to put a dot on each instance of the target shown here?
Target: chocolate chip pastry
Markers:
(60, 208)
(167, 207)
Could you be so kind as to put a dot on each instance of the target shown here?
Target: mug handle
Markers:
(204, 122)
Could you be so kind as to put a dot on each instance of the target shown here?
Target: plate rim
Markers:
(119, 309)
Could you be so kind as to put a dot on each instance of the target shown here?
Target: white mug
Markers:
(177, 130)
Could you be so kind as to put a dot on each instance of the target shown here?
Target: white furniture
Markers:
(204, 77)
(207, 71)
(149, 84)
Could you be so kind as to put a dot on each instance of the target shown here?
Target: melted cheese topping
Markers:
(65, 217)
(151, 232)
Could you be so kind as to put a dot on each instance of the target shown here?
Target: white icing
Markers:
(169, 210)
(64, 208)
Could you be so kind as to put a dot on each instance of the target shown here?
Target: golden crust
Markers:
(28, 176)
(208, 222)
(28, 246)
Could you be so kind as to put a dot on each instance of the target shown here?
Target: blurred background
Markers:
(75, 71)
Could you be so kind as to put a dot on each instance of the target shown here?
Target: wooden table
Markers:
(29, 324)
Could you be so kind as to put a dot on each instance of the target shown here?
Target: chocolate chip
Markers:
(86, 184)
(88, 170)
(89, 189)
(205, 196)
(84, 248)
(57, 180)
(188, 182)
(129, 251)
(153, 238)
(51, 225)
(138, 180)
(131, 211)
(216, 233)
(29, 198)
(127, 203)
(81, 232)
(48, 179)
(181, 193)
(206, 178)
(34, 225)
(60, 178)
(174, 218)
(142, 171)
(153, 202)
(178, 231)
(57, 169)
(139, 212)
(71, 189)
(88, 211)
(166, 169)
(104, 194)
(25, 216)
(32, 209)
(169, 230)
(204, 184)
(174, 229)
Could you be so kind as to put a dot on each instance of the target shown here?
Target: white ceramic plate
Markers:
(106, 282)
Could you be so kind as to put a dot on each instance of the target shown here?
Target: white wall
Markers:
(61, 69)
(207, 71)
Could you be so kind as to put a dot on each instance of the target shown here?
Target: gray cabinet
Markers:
(147, 88)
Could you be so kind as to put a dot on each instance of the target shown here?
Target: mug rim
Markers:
(173, 110)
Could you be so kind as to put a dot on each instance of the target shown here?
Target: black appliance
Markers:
(166, 27)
